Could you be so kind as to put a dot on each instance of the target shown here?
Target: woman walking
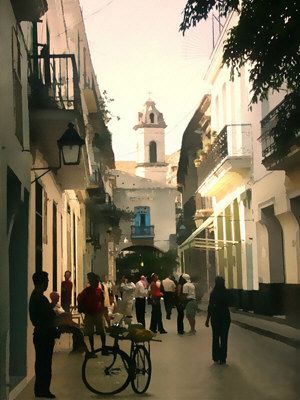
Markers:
(156, 317)
(189, 292)
(219, 315)
(180, 305)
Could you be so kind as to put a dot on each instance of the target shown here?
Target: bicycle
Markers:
(109, 371)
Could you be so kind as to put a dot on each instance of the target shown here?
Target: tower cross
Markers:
(149, 93)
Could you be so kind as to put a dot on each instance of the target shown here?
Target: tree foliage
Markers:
(267, 37)
(145, 261)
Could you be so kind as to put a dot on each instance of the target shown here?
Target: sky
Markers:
(137, 49)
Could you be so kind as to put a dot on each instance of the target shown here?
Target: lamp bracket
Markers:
(46, 169)
(44, 173)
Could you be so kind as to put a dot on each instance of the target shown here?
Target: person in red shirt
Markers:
(91, 302)
(156, 317)
(66, 292)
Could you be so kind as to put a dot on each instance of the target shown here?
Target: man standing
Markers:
(43, 319)
(91, 302)
(169, 295)
(141, 292)
(66, 292)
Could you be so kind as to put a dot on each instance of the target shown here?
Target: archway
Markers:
(144, 260)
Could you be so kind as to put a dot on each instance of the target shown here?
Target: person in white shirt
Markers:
(128, 290)
(141, 291)
(169, 295)
(191, 306)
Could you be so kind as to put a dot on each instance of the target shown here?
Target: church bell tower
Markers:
(150, 131)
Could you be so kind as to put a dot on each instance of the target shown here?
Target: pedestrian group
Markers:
(99, 302)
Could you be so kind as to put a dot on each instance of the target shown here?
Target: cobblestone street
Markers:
(258, 368)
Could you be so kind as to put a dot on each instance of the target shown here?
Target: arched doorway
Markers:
(144, 260)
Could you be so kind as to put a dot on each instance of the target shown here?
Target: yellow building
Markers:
(51, 167)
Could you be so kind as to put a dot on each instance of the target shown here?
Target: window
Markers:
(16, 49)
(152, 152)
(38, 227)
(75, 257)
(54, 246)
(151, 116)
(142, 216)
(224, 104)
(17, 85)
(84, 67)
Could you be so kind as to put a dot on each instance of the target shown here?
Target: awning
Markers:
(188, 242)
(205, 243)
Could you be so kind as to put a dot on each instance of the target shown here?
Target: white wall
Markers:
(162, 217)
(144, 137)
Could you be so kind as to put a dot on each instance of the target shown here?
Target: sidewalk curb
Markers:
(276, 336)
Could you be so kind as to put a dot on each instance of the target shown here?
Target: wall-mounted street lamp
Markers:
(69, 147)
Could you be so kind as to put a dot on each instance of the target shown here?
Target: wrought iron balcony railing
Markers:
(276, 145)
(234, 141)
(142, 231)
(54, 81)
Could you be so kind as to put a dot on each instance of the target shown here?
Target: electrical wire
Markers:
(85, 18)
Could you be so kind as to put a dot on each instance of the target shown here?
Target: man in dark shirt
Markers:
(43, 319)
(66, 292)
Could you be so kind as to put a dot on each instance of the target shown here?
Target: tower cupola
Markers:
(150, 117)
(151, 143)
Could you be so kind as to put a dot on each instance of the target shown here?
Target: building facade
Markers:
(252, 180)
(48, 92)
(143, 193)
(149, 224)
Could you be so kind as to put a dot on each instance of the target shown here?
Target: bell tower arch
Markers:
(150, 132)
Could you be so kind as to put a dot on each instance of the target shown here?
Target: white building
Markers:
(254, 184)
(153, 211)
(146, 194)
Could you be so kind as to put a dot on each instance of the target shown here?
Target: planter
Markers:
(207, 147)
(197, 162)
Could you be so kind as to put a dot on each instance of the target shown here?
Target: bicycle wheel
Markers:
(142, 372)
(107, 374)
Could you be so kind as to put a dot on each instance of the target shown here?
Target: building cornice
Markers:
(147, 164)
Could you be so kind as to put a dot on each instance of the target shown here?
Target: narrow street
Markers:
(149, 150)
(258, 368)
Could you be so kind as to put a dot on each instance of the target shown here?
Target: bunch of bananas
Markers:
(137, 333)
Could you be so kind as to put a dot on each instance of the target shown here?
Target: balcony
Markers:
(95, 179)
(204, 209)
(54, 81)
(280, 151)
(29, 10)
(227, 163)
(54, 101)
(142, 232)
